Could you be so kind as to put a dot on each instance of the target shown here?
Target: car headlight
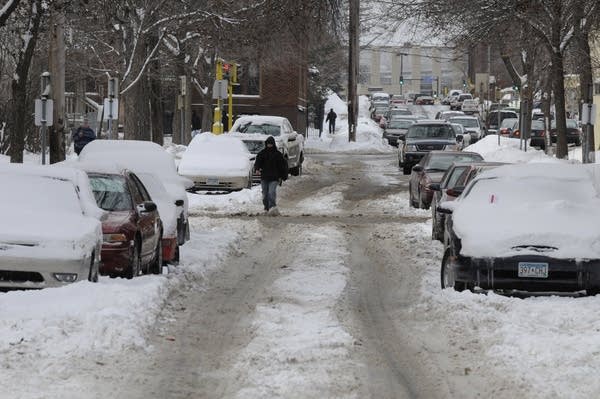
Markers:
(66, 277)
(114, 237)
(411, 148)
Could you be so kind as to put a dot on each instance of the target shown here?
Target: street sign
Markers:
(219, 89)
(107, 108)
(49, 112)
(588, 117)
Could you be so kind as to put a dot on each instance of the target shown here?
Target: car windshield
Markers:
(38, 194)
(259, 128)
(442, 162)
(467, 122)
(430, 131)
(571, 124)
(111, 192)
(254, 146)
(400, 112)
(399, 124)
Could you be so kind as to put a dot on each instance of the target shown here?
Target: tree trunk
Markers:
(207, 113)
(586, 83)
(558, 86)
(137, 112)
(21, 109)
(56, 133)
(156, 101)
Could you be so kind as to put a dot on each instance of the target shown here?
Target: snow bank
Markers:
(369, 136)
(508, 151)
(4, 159)
(246, 201)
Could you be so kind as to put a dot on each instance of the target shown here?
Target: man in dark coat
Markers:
(273, 171)
(331, 116)
(82, 136)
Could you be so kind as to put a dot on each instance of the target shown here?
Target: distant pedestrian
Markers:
(273, 170)
(82, 136)
(331, 116)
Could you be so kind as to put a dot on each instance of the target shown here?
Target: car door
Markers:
(292, 143)
(147, 221)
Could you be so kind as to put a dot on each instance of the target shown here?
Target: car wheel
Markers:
(93, 275)
(135, 264)
(592, 291)
(447, 274)
(406, 169)
(156, 265)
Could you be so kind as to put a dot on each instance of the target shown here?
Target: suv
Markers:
(457, 103)
(425, 136)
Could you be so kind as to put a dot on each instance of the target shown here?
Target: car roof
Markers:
(431, 122)
(464, 117)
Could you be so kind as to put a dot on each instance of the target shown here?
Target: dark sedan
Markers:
(423, 137)
(132, 229)
(573, 132)
(430, 170)
(396, 130)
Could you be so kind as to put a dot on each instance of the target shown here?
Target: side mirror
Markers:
(293, 136)
(149, 206)
(435, 187)
(443, 210)
(179, 202)
(417, 168)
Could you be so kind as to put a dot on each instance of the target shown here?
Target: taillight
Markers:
(542, 133)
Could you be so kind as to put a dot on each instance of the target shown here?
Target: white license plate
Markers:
(533, 270)
(212, 181)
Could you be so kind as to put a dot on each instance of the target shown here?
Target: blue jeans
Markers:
(269, 193)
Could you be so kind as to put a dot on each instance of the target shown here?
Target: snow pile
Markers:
(246, 200)
(299, 348)
(4, 159)
(508, 151)
(369, 136)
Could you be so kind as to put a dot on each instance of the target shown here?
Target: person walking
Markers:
(82, 136)
(273, 170)
(331, 116)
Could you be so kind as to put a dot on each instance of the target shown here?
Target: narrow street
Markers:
(319, 303)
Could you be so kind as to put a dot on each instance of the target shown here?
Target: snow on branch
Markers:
(146, 62)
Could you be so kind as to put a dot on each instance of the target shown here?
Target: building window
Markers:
(248, 78)
(596, 89)
(364, 74)
(385, 68)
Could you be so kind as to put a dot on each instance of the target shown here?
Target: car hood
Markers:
(412, 141)
(41, 234)
(217, 165)
(559, 229)
(396, 131)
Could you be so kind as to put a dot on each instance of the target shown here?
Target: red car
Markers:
(132, 228)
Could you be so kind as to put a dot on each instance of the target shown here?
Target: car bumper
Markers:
(537, 142)
(564, 275)
(34, 273)
(221, 183)
(116, 258)
(571, 138)
(413, 158)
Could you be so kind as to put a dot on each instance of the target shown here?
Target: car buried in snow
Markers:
(529, 227)
(50, 233)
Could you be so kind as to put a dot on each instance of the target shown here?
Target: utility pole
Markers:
(402, 71)
(353, 48)
(57, 71)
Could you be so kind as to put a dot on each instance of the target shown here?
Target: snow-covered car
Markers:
(471, 124)
(530, 227)
(145, 157)
(217, 162)
(258, 128)
(50, 233)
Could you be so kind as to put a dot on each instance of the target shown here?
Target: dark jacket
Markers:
(271, 163)
(331, 117)
(80, 141)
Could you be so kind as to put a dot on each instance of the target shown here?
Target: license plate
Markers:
(212, 181)
(533, 270)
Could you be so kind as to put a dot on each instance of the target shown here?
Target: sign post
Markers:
(112, 104)
(44, 109)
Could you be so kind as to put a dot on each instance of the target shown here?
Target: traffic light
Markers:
(515, 88)
(464, 83)
(401, 80)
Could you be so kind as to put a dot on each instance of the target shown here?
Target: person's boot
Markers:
(274, 211)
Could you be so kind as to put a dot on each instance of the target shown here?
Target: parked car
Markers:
(132, 229)
(446, 115)
(396, 129)
(508, 126)
(217, 163)
(450, 187)
(471, 124)
(458, 101)
(423, 137)
(259, 127)
(495, 118)
(537, 135)
(574, 133)
(551, 254)
(50, 233)
(424, 100)
(430, 170)
(146, 157)
(470, 106)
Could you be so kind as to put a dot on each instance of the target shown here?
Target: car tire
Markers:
(406, 169)
(94, 272)
(447, 276)
(135, 264)
(155, 266)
